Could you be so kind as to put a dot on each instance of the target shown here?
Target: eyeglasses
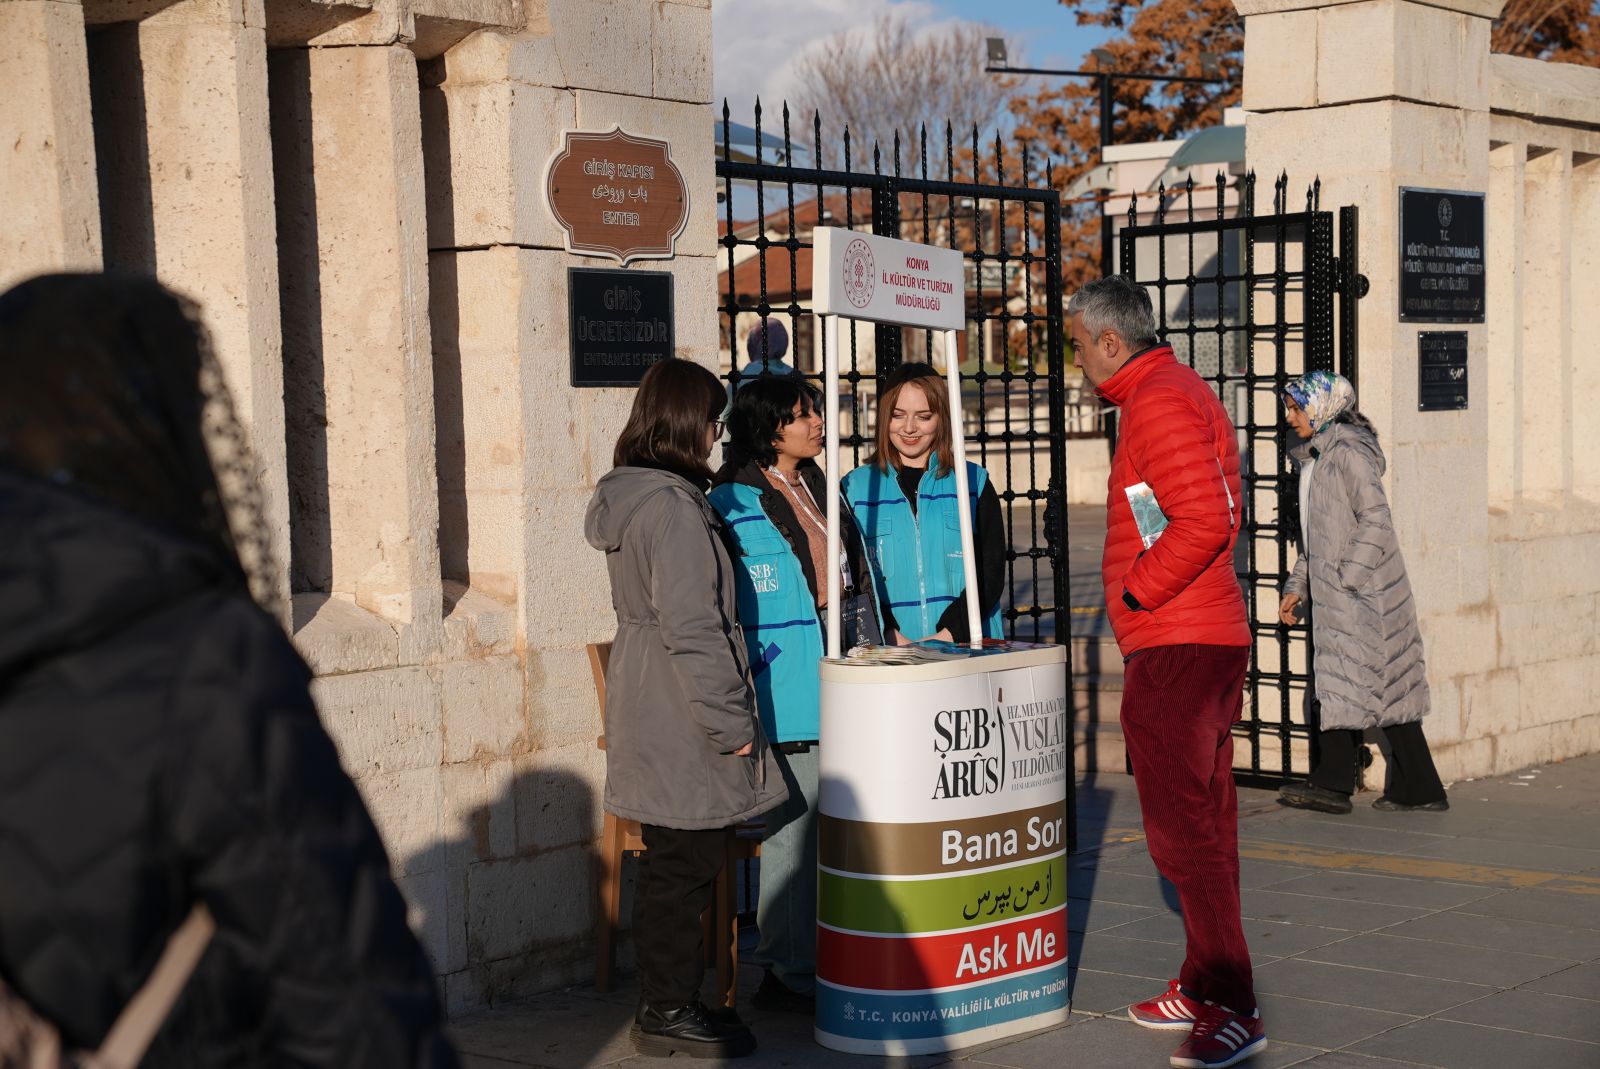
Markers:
(719, 425)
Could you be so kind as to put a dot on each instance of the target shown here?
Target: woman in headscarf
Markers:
(1368, 664)
(159, 749)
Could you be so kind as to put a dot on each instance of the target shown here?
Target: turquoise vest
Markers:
(916, 557)
(779, 616)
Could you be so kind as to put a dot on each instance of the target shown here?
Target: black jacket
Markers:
(158, 745)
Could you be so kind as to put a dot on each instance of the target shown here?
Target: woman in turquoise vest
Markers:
(772, 498)
(904, 499)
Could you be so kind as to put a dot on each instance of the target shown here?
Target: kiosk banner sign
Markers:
(885, 280)
(942, 846)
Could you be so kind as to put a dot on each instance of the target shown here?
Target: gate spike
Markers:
(758, 129)
(949, 151)
(788, 149)
(816, 137)
(922, 149)
(847, 146)
(1133, 209)
(1316, 193)
(999, 159)
(897, 153)
(1222, 192)
(1250, 194)
(877, 158)
(1161, 203)
(727, 114)
(1188, 195)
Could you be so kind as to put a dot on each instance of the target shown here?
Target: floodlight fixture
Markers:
(997, 51)
(1210, 65)
(1102, 56)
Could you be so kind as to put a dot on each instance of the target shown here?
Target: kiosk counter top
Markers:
(942, 848)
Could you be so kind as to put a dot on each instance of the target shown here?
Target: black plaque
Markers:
(620, 324)
(1441, 370)
(1441, 256)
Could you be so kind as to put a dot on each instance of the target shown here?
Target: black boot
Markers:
(1307, 795)
(692, 1030)
(775, 996)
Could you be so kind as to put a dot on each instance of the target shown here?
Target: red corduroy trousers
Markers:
(1178, 708)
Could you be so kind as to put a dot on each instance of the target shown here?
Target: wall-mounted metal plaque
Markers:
(1441, 370)
(1441, 256)
(620, 323)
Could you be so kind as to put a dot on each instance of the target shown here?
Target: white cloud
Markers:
(755, 42)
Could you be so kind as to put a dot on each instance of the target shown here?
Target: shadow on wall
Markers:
(501, 915)
(122, 147)
(300, 307)
(444, 318)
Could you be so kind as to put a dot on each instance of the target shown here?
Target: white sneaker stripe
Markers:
(1236, 1032)
(1166, 1011)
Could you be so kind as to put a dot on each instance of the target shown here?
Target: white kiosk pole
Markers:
(830, 378)
(958, 437)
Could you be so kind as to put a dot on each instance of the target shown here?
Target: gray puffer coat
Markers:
(1368, 661)
(679, 701)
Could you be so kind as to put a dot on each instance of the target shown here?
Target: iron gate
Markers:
(1013, 350)
(1250, 300)
(1013, 361)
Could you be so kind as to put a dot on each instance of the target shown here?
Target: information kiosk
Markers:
(942, 917)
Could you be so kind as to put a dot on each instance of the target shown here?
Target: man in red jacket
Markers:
(1179, 618)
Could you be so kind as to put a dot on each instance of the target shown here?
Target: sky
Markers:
(755, 42)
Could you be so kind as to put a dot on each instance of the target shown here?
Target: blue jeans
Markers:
(786, 909)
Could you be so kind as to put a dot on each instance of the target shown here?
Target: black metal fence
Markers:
(938, 191)
(1250, 300)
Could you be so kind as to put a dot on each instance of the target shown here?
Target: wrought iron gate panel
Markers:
(1014, 391)
(1252, 305)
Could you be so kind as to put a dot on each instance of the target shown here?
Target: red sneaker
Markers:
(1172, 1009)
(1220, 1037)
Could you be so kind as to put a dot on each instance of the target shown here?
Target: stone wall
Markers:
(354, 193)
(1496, 507)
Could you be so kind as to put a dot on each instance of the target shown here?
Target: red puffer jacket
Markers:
(1176, 439)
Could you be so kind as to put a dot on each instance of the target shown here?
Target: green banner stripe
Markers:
(905, 907)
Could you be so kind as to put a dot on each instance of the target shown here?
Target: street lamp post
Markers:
(1103, 83)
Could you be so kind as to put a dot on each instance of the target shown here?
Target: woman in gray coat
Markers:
(685, 753)
(1368, 662)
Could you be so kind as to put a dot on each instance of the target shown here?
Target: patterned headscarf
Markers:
(1322, 395)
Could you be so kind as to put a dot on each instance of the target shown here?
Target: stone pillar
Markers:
(347, 145)
(187, 195)
(1372, 96)
(521, 450)
(47, 183)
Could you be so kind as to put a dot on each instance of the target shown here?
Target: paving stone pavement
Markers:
(1461, 940)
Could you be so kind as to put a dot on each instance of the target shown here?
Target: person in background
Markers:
(765, 348)
(904, 499)
(160, 754)
(686, 755)
(1368, 661)
(1179, 617)
(771, 495)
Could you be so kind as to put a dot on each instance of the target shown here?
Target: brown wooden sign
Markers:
(617, 195)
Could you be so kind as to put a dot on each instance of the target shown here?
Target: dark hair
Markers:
(667, 427)
(932, 385)
(762, 408)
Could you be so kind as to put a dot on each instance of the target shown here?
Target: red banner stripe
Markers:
(926, 963)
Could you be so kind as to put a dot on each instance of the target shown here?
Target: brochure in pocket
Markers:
(1147, 513)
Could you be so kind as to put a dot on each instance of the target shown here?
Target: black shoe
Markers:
(1389, 805)
(692, 1030)
(1307, 795)
(774, 996)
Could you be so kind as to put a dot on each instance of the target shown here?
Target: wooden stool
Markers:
(622, 838)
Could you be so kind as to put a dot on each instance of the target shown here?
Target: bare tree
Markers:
(896, 79)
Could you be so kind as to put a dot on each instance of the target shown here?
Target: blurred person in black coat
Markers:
(158, 744)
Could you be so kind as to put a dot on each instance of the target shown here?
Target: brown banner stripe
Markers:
(858, 846)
